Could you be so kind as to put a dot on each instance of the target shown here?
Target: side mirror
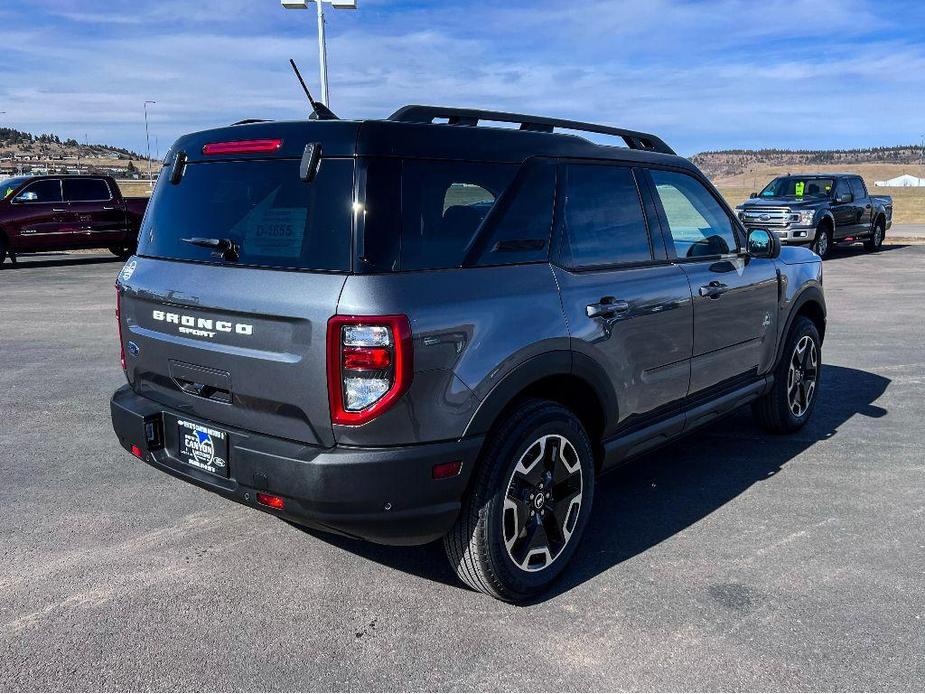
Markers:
(763, 244)
(753, 195)
(844, 197)
(26, 197)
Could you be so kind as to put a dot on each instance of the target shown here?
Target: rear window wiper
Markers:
(226, 249)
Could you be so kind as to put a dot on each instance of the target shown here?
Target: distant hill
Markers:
(731, 163)
(23, 152)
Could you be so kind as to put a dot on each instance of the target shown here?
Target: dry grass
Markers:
(134, 189)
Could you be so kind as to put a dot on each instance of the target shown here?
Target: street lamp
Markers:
(322, 45)
(148, 144)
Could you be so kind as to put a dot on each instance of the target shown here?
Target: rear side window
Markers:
(86, 189)
(519, 229)
(603, 218)
(857, 188)
(276, 219)
(841, 188)
(48, 190)
(443, 205)
(698, 224)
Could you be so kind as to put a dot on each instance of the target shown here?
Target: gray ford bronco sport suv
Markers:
(431, 326)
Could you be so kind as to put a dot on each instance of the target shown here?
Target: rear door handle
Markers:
(608, 307)
(58, 209)
(714, 290)
(108, 208)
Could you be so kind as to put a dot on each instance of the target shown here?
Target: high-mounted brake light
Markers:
(242, 147)
(369, 366)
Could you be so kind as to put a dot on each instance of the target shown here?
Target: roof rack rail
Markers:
(471, 117)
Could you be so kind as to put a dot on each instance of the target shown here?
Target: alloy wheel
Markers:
(802, 376)
(542, 503)
(822, 244)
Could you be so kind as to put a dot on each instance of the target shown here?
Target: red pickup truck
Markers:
(56, 213)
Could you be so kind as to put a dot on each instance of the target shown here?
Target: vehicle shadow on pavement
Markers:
(47, 260)
(662, 493)
(845, 252)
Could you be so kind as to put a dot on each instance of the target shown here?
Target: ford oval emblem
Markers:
(133, 349)
(765, 217)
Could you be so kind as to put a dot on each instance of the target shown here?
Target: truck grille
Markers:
(767, 217)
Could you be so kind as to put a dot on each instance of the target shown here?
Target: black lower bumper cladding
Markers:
(385, 495)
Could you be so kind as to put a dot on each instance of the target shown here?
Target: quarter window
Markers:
(698, 224)
(443, 205)
(603, 218)
(519, 229)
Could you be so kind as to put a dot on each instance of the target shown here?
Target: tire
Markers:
(3, 249)
(496, 546)
(775, 411)
(822, 244)
(876, 238)
(122, 252)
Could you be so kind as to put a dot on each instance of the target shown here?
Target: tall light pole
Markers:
(148, 144)
(322, 43)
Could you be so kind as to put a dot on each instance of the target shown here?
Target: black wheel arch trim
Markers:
(536, 369)
(826, 216)
(811, 294)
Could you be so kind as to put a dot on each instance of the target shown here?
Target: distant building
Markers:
(904, 181)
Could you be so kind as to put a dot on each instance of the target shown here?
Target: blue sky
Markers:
(703, 75)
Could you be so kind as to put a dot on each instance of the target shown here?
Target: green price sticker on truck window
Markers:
(800, 187)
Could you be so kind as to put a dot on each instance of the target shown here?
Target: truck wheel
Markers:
(790, 402)
(3, 249)
(529, 504)
(876, 238)
(823, 242)
(122, 252)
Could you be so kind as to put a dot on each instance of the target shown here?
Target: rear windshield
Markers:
(275, 219)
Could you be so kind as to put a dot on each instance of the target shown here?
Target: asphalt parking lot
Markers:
(731, 560)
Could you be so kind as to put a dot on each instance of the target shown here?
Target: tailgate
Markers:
(242, 347)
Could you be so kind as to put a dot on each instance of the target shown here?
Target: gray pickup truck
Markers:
(403, 330)
(820, 210)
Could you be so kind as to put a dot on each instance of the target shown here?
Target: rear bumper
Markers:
(385, 495)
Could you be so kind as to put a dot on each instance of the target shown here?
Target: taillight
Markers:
(119, 323)
(369, 365)
(242, 147)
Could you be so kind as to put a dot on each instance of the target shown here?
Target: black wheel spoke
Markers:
(558, 508)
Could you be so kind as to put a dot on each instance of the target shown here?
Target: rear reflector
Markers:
(136, 451)
(270, 500)
(445, 470)
(242, 147)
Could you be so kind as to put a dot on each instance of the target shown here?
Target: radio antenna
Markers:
(319, 110)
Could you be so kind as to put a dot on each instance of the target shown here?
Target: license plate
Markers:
(202, 447)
